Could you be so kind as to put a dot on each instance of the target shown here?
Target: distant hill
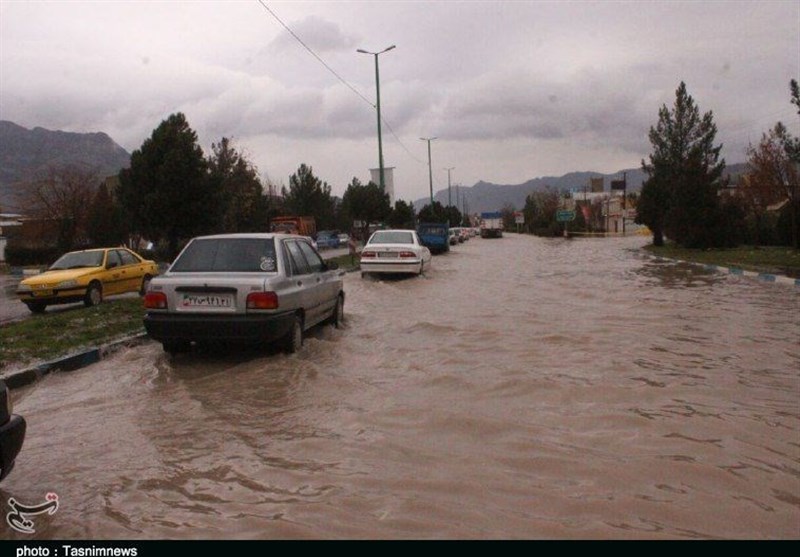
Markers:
(486, 196)
(25, 153)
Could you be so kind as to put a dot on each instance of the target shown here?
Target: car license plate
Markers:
(207, 300)
(42, 293)
(387, 254)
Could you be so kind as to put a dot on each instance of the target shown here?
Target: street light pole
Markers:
(449, 201)
(430, 168)
(378, 106)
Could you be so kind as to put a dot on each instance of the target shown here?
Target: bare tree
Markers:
(62, 197)
(771, 175)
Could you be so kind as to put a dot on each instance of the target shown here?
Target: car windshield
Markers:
(234, 255)
(78, 259)
(391, 237)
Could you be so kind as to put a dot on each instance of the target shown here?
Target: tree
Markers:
(540, 212)
(770, 169)
(509, 220)
(402, 215)
(309, 196)
(452, 215)
(166, 191)
(434, 213)
(791, 146)
(367, 204)
(105, 222)
(679, 197)
(63, 197)
(243, 205)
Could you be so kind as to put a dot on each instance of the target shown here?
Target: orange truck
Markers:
(305, 226)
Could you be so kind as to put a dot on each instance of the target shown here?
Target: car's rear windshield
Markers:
(232, 255)
(388, 237)
(435, 230)
(78, 259)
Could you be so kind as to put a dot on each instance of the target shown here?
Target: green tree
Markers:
(244, 207)
(367, 204)
(402, 215)
(105, 222)
(679, 197)
(435, 213)
(166, 191)
(540, 212)
(309, 196)
(453, 216)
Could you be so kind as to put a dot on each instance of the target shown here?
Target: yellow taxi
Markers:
(87, 276)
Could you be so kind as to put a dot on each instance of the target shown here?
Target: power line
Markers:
(340, 78)
(315, 55)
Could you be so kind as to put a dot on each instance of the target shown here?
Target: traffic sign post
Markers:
(565, 216)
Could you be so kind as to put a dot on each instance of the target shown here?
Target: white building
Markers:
(388, 180)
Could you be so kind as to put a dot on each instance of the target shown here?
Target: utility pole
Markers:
(378, 106)
(449, 201)
(624, 199)
(430, 168)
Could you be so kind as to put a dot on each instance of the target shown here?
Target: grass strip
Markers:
(770, 259)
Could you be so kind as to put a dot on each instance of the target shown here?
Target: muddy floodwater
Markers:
(524, 388)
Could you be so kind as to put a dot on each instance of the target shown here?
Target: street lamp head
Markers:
(362, 51)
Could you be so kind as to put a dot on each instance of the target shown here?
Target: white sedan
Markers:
(394, 251)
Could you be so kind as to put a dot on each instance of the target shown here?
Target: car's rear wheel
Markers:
(176, 346)
(94, 295)
(293, 341)
(145, 283)
(337, 318)
(36, 307)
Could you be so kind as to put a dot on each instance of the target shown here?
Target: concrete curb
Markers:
(70, 362)
(763, 277)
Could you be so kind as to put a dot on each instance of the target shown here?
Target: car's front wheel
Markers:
(36, 307)
(293, 341)
(94, 295)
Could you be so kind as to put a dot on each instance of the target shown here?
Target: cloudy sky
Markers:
(512, 90)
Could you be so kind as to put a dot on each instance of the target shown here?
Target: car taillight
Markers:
(367, 254)
(407, 254)
(262, 300)
(155, 300)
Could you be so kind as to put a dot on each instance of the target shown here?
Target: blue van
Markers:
(435, 236)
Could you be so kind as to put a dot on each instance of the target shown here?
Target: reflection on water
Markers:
(525, 388)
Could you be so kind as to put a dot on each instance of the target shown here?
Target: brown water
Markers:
(525, 388)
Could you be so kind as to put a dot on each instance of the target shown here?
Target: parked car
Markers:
(453, 237)
(344, 239)
(88, 276)
(434, 236)
(327, 239)
(394, 251)
(12, 432)
(254, 288)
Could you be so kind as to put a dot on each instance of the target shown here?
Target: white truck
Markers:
(491, 225)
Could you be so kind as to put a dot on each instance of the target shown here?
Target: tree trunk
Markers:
(658, 237)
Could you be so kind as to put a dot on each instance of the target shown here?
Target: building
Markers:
(388, 180)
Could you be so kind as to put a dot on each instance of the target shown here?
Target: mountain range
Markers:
(487, 196)
(26, 154)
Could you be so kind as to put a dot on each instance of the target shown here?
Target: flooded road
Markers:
(525, 388)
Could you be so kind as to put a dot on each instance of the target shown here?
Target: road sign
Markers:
(565, 216)
(519, 217)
